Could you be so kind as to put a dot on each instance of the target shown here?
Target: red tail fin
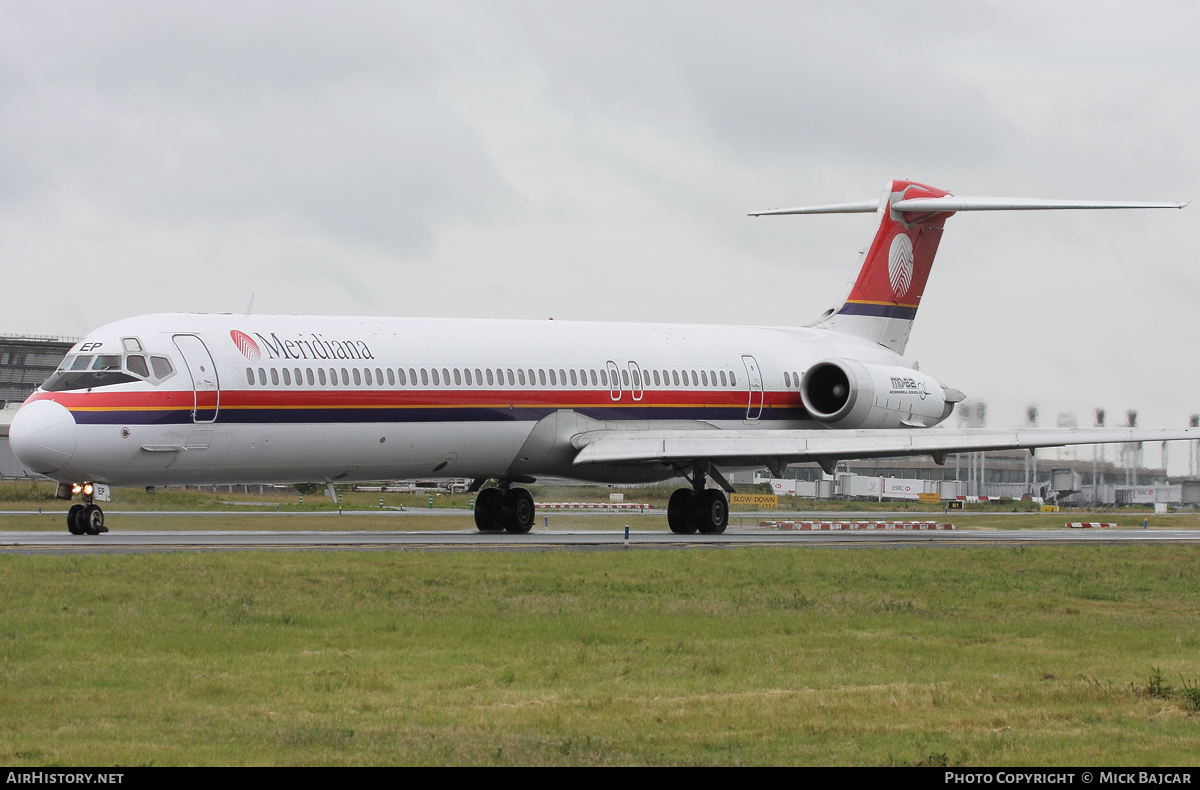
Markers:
(883, 300)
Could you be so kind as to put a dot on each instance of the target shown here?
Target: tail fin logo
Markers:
(900, 264)
(246, 345)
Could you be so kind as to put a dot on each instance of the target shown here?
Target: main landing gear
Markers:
(698, 509)
(85, 519)
(504, 509)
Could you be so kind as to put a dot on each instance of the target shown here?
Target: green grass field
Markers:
(911, 656)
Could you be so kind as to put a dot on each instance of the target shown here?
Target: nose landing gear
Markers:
(88, 518)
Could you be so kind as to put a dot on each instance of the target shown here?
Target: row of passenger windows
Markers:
(498, 377)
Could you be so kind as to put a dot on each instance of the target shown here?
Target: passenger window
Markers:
(275, 377)
(333, 376)
(625, 377)
(723, 382)
(795, 379)
(521, 376)
(107, 362)
(433, 372)
(357, 378)
(161, 367)
(446, 376)
(553, 378)
(81, 362)
(457, 378)
(541, 376)
(637, 382)
(704, 378)
(479, 377)
(467, 376)
(732, 380)
(603, 378)
(131, 344)
(379, 377)
(491, 381)
(412, 374)
(593, 378)
(137, 365)
(287, 379)
(321, 376)
(249, 375)
(531, 379)
(712, 376)
(299, 377)
(391, 377)
(562, 376)
(366, 375)
(787, 379)
(695, 379)
(262, 377)
(310, 377)
(574, 378)
(400, 376)
(657, 381)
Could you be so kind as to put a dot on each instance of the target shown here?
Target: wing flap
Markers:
(602, 447)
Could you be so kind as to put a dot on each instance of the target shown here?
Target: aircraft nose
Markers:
(43, 436)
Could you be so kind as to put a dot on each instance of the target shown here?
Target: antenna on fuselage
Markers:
(250, 305)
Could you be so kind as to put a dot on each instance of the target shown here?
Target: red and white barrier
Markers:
(832, 526)
(591, 506)
(1092, 525)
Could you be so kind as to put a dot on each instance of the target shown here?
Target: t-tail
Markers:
(881, 301)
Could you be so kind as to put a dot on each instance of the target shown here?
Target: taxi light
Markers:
(87, 489)
(75, 489)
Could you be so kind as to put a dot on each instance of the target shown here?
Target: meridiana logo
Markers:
(246, 345)
(900, 264)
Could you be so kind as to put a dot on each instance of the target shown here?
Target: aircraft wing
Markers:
(777, 448)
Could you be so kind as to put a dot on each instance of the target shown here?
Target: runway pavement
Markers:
(148, 541)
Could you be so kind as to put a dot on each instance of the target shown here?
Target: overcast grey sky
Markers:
(596, 161)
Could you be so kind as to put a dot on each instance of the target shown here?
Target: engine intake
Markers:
(844, 393)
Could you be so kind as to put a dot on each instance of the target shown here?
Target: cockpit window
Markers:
(107, 362)
(162, 367)
(81, 362)
(136, 365)
(85, 379)
(131, 344)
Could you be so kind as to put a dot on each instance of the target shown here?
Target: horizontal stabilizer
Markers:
(953, 203)
(745, 447)
(862, 207)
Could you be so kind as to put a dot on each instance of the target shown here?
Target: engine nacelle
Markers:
(844, 393)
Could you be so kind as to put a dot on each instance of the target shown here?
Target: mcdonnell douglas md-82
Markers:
(175, 399)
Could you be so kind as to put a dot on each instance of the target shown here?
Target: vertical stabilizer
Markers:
(881, 301)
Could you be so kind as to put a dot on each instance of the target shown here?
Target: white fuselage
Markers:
(287, 399)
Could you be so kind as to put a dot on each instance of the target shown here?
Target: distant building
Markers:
(26, 361)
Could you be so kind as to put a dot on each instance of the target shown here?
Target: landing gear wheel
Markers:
(517, 511)
(73, 520)
(677, 511)
(487, 510)
(711, 512)
(92, 519)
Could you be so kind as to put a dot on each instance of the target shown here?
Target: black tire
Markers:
(73, 520)
(487, 510)
(517, 511)
(711, 512)
(92, 518)
(677, 512)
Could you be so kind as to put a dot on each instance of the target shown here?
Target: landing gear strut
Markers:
(698, 509)
(499, 510)
(86, 519)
